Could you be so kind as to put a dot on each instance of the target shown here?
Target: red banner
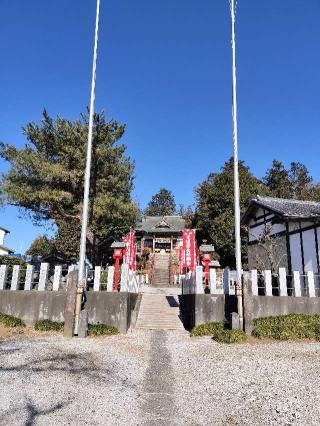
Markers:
(188, 250)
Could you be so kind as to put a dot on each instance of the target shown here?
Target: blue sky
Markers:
(164, 68)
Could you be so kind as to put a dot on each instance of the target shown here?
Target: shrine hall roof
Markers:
(161, 224)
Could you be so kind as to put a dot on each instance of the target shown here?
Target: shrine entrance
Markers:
(162, 245)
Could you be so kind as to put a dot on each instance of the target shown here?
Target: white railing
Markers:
(56, 278)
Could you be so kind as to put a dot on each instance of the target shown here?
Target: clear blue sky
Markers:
(164, 68)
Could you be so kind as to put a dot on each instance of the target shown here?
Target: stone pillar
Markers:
(15, 277)
(248, 306)
(283, 282)
(297, 283)
(97, 278)
(3, 276)
(43, 277)
(312, 292)
(57, 277)
(29, 276)
(70, 307)
(268, 282)
(110, 278)
(226, 280)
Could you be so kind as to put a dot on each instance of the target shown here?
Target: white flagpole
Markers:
(82, 256)
(236, 172)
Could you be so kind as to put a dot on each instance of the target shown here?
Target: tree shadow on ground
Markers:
(82, 365)
(32, 412)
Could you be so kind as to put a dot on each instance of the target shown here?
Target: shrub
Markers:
(208, 329)
(230, 336)
(47, 325)
(101, 330)
(11, 321)
(287, 327)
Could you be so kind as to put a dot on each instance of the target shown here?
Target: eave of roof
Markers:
(6, 249)
(5, 230)
(258, 202)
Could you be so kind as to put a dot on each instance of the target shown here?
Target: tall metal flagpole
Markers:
(82, 257)
(236, 172)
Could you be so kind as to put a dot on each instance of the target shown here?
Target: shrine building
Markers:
(161, 234)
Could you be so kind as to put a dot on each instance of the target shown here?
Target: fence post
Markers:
(15, 277)
(283, 282)
(110, 278)
(226, 280)
(97, 278)
(213, 281)
(43, 277)
(71, 268)
(312, 292)
(254, 282)
(57, 277)
(29, 276)
(3, 276)
(268, 282)
(297, 283)
(199, 280)
(124, 277)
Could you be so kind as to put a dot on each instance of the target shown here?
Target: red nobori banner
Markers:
(129, 252)
(188, 254)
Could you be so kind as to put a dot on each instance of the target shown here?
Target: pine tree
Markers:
(46, 177)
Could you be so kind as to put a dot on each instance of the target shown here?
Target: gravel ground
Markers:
(157, 378)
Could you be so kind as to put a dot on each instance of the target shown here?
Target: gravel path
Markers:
(157, 378)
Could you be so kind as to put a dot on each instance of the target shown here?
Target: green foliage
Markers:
(12, 260)
(292, 183)
(215, 204)
(47, 325)
(208, 329)
(11, 321)
(45, 178)
(41, 246)
(230, 336)
(161, 204)
(287, 327)
(102, 330)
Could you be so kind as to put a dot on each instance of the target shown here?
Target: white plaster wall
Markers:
(2, 234)
(295, 251)
(3, 252)
(309, 251)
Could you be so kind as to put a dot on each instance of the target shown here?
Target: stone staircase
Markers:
(161, 271)
(159, 311)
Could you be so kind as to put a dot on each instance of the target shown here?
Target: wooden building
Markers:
(293, 225)
(160, 233)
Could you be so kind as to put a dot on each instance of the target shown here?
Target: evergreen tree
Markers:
(161, 204)
(46, 177)
(277, 180)
(215, 208)
(300, 181)
(41, 246)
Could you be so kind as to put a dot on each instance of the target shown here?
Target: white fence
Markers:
(281, 284)
(263, 284)
(56, 278)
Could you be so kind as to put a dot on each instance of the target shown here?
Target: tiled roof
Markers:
(161, 224)
(293, 209)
